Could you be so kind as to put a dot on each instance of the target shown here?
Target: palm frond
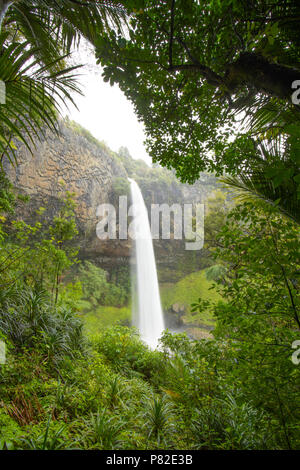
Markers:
(257, 185)
(35, 95)
(56, 26)
(38, 37)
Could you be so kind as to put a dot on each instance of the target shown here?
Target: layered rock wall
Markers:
(88, 169)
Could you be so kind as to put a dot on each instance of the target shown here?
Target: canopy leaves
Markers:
(205, 78)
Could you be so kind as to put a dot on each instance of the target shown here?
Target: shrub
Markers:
(231, 424)
(158, 417)
(104, 431)
(48, 439)
(128, 354)
(97, 289)
(28, 318)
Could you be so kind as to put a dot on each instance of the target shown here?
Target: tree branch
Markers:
(171, 34)
(293, 305)
(211, 77)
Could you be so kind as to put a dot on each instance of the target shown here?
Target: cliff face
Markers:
(83, 167)
(89, 169)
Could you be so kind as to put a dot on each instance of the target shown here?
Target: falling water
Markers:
(148, 317)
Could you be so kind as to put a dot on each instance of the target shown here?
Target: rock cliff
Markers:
(90, 169)
(84, 167)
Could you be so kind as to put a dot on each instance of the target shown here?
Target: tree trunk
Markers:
(254, 70)
(4, 6)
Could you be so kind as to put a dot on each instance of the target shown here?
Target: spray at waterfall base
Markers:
(147, 311)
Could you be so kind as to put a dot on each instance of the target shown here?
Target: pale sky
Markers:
(105, 111)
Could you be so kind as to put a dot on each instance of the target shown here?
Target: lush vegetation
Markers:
(104, 316)
(213, 83)
(186, 292)
(68, 383)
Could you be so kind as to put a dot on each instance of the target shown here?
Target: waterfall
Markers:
(148, 317)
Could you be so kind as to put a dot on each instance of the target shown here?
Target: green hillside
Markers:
(103, 316)
(187, 291)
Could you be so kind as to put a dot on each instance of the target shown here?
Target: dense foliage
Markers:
(98, 290)
(212, 82)
(61, 389)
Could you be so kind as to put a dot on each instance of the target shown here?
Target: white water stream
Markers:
(148, 315)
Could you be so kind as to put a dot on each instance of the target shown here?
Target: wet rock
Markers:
(178, 308)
